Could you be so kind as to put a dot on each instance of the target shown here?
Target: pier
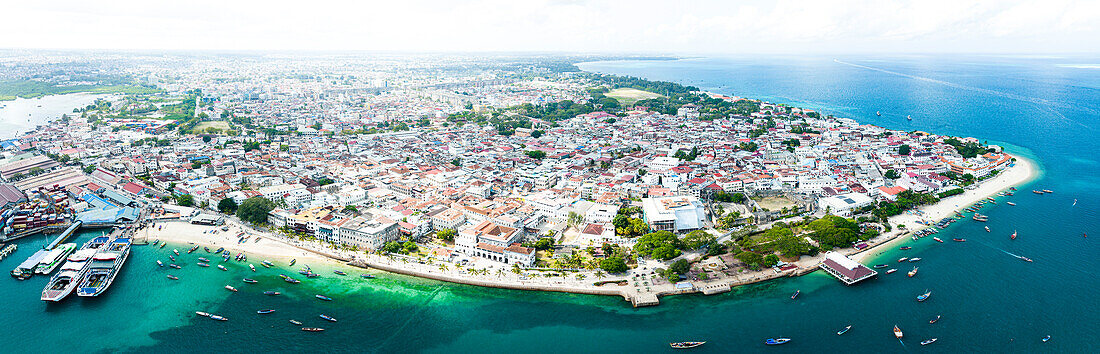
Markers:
(7, 250)
(65, 234)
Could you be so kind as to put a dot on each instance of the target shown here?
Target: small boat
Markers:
(922, 297)
(937, 239)
(173, 277)
(1045, 339)
(339, 272)
(914, 259)
(296, 323)
(264, 312)
(173, 258)
(1011, 203)
(685, 345)
(192, 249)
(1047, 191)
(933, 321)
(207, 249)
(252, 267)
(250, 281)
(177, 252)
(843, 331)
(880, 266)
(203, 264)
(159, 263)
(322, 297)
(230, 288)
(877, 113)
(987, 229)
(222, 267)
(292, 280)
(203, 314)
(367, 276)
(327, 318)
(795, 295)
(903, 248)
(204, 259)
(958, 239)
(267, 264)
(272, 293)
(927, 342)
(292, 261)
(1013, 234)
(903, 259)
(897, 332)
(220, 249)
(218, 318)
(1026, 259)
(889, 271)
(776, 341)
(312, 329)
(173, 265)
(913, 272)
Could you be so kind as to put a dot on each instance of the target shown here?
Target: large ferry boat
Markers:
(104, 267)
(54, 258)
(65, 281)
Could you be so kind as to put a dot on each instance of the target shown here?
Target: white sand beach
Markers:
(182, 232)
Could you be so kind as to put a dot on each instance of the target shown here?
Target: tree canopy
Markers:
(227, 205)
(661, 245)
(255, 209)
(613, 264)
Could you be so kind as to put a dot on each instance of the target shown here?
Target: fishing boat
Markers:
(322, 297)
(218, 318)
(230, 288)
(1011, 203)
(914, 259)
(1025, 259)
(201, 264)
(177, 252)
(958, 239)
(1045, 339)
(913, 272)
(272, 293)
(173, 265)
(292, 261)
(295, 322)
(685, 345)
(265, 311)
(207, 249)
(327, 318)
(922, 297)
(222, 267)
(891, 271)
(897, 332)
(1036, 192)
(250, 281)
(163, 244)
(267, 264)
(252, 267)
(843, 331)
(203, 314)
(220, 249)
(104, 267)
(173, 277)
(880, 266)
(192, 249)
(776, 341)
(987, 229)
(1047, 191)
(76, 266)
(292, 280)
(159, 263)
(1013, 234)
(367, 276)
(339, 272)
(903, 248)
(903, 259)
(312, 329)
(937, 239)
(929, 341)
(933, 321)
(204, 259)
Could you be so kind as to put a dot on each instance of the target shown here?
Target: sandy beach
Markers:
(182, 232)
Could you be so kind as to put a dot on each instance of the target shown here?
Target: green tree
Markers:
(904, 150)
(613, 264)
(892, 174)
(185, 200)
(446, 235)
(679, 267)
(89, 169)
(536, 154)
(537, 134)
(227, 205)
(665, 252)
(666, 242)
(750, 258)
(255, 209)
(770, 260)
(697, 239)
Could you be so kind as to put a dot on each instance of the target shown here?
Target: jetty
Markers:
(7, 250)
(65, 235)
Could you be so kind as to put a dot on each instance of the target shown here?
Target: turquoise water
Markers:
(989, 300)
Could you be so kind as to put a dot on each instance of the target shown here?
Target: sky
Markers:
(640, 26)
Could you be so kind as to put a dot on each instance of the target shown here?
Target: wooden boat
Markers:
(328, 318)
(322, 297)
(929, 341)
(913, 272)
(230, 288)
(889, 271)
(173, 277)
(922, 297)
(935, 319)
(295, 322)
(1013, 234)
(312, 329)
(897, 332)
(250, 281)
(685, 345)
(272, 293)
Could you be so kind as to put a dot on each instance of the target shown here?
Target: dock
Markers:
(7, 250)
(65, 234)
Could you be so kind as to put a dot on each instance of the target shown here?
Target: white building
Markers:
(675, 214)
(844, 204)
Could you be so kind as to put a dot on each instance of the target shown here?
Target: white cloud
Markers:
(708, 26)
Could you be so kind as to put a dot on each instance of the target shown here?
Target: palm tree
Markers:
(500, 272)
(516, 269)
(443, 267)
(599, 274)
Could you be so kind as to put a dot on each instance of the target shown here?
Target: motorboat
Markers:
(250, 281)
(230, 288)
(159, 263)
(173, 277)
(265, 311)
(1045, 339)
(928, 341)
(327, 318)
(795, 295)
(776, 341)
(843, 331)
(914, 259)
(272, 293)
(903, 259)
(913, 272)
(890, 271)
(322, 297)
(922, 297)
(685, 345)
(897, 332)
(933, 321)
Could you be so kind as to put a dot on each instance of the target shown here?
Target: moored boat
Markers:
(367, 276)
(159, 263)
(914, 259)
(174, 266)
(327, 318)
(72, 271)
(935, 319)
(218, 318)
(903, 259)
(296, 322)
(173, 277)
(104, 267)
(250, 281)
(322, 297)
(222, 267)
(252, 267)
(843, 331)
(292, 280)
(1045, 339)
(913, 272)
(292, 261)
(312, 329)
(776, 341)
(922, 297)
(685, 345)
(880, 266)
(230, 288)
(929, 341)
(987, 229)
(272, 293)
(958, 239)
(339, 272)
(265, 311)
(267, 264)
(889, 271)
(177, 252)
(204, 260)
(1011, 203)
(201, 264)
(203, 314)
(54, 259)
(903, 248)
(937, 239)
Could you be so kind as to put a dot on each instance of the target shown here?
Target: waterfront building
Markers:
(845, 269)
(844, 204)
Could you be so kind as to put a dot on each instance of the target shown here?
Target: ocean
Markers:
(1045, 108)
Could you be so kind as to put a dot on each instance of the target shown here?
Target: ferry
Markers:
(267, 264)
(203, 314)
(880, 266)
(201, 264)
(897, 332)
(328, 318)
(104, 267)
(264, 312)
(272, 293)
(922, 297)
(296, 323)
(312, 329)
(252, 267)
(54, 258)
(937, 239)
(326, 298)
(222, 267)
(903, 259)
(927, 342)
(159, 263)
(64, 282)
(933, 321)
(776, 341)
(843, 331)
(218, 318)
(339, 272)
(230, 288)
(891, 271)
(1013, 234)
(173, 277)
(685, 345)
(903, 248)
(958, 239)
(173, 265)
(250, 281)
(913, 272)
(914, 259)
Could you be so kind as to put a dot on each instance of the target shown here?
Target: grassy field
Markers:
(775, 203)
(223, 125)
(627, 96)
